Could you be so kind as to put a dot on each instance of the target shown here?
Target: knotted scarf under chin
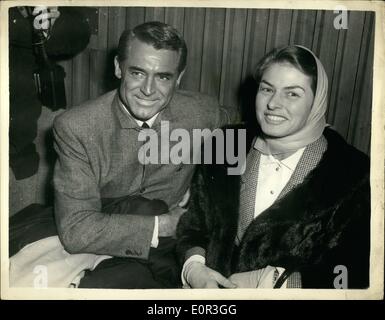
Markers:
(313, 127)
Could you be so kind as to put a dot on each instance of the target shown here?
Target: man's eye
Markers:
(137, 74)
(292, 94)
(164, 77)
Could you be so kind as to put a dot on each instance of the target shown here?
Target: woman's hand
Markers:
(199, 275)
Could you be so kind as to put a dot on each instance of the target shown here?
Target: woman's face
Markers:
(284, 100)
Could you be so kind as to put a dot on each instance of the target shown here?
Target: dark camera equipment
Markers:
(49, 76)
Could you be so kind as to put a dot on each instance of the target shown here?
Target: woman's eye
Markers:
(265, 89)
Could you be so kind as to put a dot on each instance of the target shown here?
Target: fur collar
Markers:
(299, 228)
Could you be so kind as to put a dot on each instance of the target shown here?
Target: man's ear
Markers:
(180, 77)
(118, 70)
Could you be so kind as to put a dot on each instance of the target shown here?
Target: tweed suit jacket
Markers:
(97, 146)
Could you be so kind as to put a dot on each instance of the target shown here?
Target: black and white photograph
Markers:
(192, 150)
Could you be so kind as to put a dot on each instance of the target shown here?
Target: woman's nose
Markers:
(148, 87)
(274, 102)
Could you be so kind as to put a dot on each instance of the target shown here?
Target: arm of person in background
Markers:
(67, 29)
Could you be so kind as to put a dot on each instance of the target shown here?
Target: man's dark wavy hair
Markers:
(157, 34)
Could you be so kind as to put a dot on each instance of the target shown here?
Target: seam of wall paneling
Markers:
(245, 53)
(335, 78)
(316, 35)
(246, 45)
(203, 49)
(89, 73)
(72, 82)
(292, 32)
(271, 29)
(184, 19)
(223, 43)
(226, 51)
(356, 87)
(268, 26)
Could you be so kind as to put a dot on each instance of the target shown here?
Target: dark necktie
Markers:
(145, 125)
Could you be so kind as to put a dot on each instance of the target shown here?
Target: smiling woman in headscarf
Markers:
(299, 216)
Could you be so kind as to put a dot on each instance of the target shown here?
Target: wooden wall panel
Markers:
(98, 66)
(212, 51)
(360, 119)
(325, 46)
(155, 14)
(234, 41)
(81, 78)
(67, 65)
(99, 41)
(278, 33)
(343, 86)
(255, 39)
(116, 24)
(303, 27)
(226, 44)
(134, 16)
(175, 17)
(193, 29)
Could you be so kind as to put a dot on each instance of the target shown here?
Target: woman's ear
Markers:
(118, 70)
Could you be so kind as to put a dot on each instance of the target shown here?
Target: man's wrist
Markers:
(155, 234)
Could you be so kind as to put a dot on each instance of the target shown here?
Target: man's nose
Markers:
(275, 101)
(148, 87)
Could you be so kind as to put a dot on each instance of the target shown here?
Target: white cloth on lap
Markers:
(46, 264)
(261, 278)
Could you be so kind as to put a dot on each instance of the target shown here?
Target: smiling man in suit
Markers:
(107, 201)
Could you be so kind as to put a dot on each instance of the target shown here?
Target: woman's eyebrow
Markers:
(295, 87)
(266, 82)
(286, 88)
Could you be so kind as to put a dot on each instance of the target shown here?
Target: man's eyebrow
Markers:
(135, 68)
(165, 74)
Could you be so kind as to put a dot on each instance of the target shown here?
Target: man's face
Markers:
(148, 79)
